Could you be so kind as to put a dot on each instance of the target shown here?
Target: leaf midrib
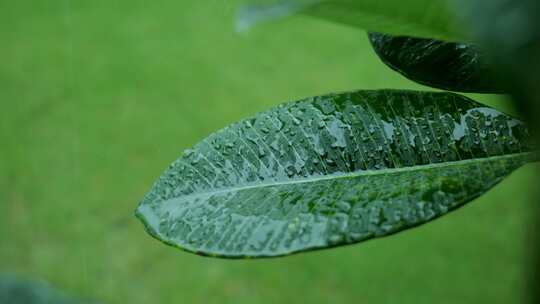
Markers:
(355, 174)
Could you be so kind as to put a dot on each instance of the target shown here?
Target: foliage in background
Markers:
(509, 31)
(418, 18)
(16, 290)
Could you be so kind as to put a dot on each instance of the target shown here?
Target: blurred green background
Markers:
(98, 97)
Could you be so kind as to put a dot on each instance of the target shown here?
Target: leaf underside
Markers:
(332, 170)
(445, 65)
(419, 18)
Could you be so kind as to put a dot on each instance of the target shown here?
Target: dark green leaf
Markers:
(510, 32)
(418, 18)
(332, 170)
(445, 65)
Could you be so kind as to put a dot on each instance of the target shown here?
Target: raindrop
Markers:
(290, 171)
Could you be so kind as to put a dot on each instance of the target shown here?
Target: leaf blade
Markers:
(449, 66)
(338, 180)
(419, 18)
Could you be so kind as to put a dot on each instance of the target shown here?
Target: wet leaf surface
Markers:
(332, 170)
(445, 65)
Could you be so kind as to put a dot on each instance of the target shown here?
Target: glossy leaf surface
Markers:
(332, 170)
(418, 18)
(444, 65)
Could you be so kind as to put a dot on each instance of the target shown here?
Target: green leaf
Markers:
(509, 31)
(417, 18)
(332, 170)
(445, 65)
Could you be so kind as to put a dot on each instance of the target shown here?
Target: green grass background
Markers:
(98, 97)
